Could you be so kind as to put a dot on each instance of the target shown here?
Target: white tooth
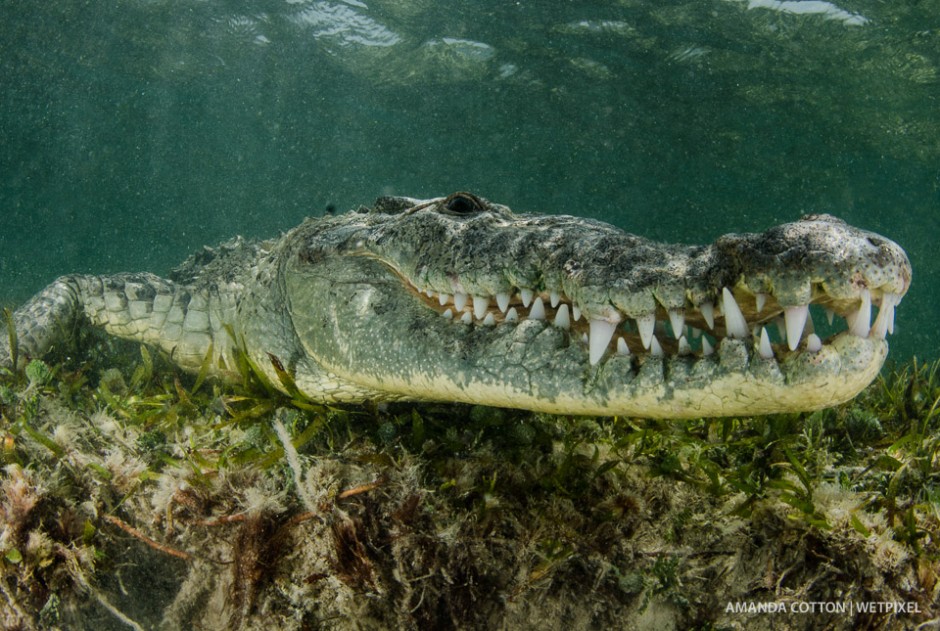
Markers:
(708, 312)
(584, 338)
(830, 315)
(645, 325)
(460, 301)
(761, 300)
(480, 305)
(443, 299)
(735, 324)
(449, 314)
(885, 316)
(684, 348)
(575, 313)
(655, 349)
(600, 333)
(860, 320)
(526, 295)
(537, 312)
(795, 318)
(677, 319)
(562, 321)
(895, 301)
(489, 320)
(502, 301)
(764, 347)
(512, 315)
(707, 348)
(622, 348)
(466, 318)
(696, 333)
(554, 298)
(813, 343)
(429, 292)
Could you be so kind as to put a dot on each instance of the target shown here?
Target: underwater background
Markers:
(132, 133)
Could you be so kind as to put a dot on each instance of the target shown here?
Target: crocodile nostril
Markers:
(875, 241)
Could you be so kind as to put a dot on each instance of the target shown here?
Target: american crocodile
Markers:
(460, 299)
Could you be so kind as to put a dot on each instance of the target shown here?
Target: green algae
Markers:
(135, 496)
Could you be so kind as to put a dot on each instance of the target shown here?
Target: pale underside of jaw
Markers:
(775, 331)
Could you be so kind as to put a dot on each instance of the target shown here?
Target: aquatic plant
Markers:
(136, 496)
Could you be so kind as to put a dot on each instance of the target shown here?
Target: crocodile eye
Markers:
(463, 204)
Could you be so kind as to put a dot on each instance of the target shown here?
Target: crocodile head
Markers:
(459, 299)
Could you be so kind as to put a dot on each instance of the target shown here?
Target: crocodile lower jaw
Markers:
(734, 381)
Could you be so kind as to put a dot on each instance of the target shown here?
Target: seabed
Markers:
(134, 496)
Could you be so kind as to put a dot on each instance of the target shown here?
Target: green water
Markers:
(132, 133)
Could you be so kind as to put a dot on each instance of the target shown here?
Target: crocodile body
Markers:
(460, 299)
